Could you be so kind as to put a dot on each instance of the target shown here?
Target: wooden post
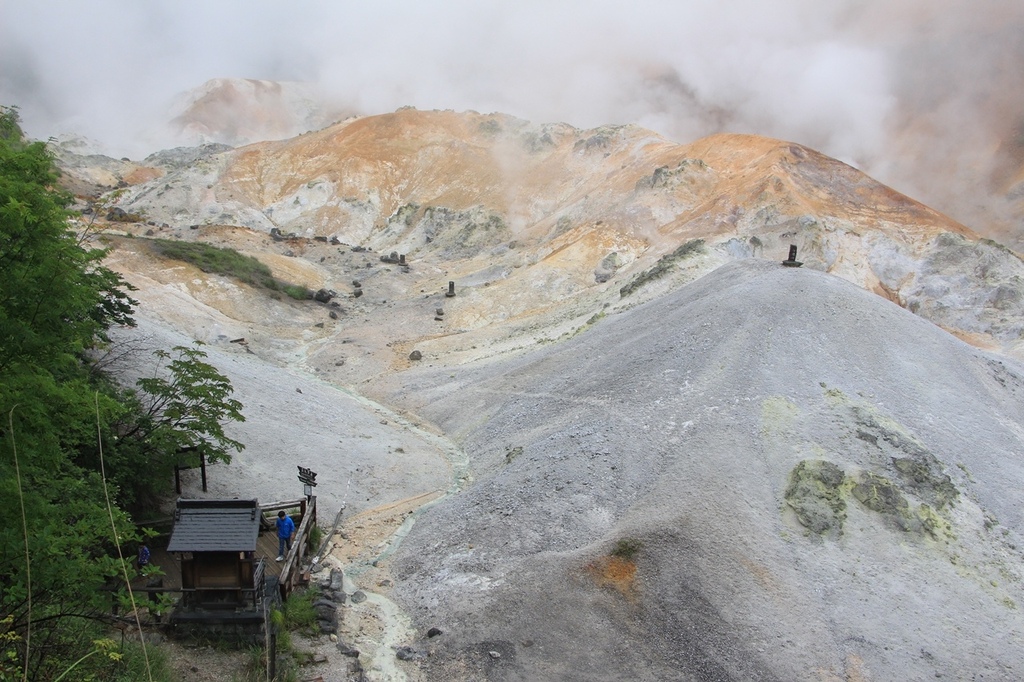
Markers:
(272, 655)
(202, 468)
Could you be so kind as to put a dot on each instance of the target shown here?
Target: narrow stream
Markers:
(396, 628)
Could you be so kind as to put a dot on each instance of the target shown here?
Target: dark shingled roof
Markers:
(215, 526)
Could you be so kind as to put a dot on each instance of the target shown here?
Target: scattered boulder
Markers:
(119, 215)
(358, 597)
(407, 653)
(607, 267)
(324, 295)
(415, 355)
(434, 632)
(357, 293)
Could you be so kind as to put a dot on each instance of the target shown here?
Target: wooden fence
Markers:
(291, 572)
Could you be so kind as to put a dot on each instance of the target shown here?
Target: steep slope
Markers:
(768, 474)
(547, 215)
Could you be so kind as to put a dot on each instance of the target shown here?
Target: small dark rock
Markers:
(327, 626)
(324, 295)
(415, 355)
(347, 650)
(407, 653)
(434, 632)
(357, 293)
(356, 283)
(358, 597)
(333, 315)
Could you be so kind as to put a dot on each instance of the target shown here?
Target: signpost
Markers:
(308, 479)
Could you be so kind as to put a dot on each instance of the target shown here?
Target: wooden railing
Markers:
(290, 570)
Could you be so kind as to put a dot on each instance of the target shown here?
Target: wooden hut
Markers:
(221, 577)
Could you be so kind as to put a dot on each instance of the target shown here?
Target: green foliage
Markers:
(316, 536)
(299, 613)
(228, 262)
(185, 409)
(216, 260)
(59, 565)
(55, 298)
(99, 656)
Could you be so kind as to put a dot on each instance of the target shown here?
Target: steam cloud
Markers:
(926, 95)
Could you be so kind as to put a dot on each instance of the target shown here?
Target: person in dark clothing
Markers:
(285, 530)
(143, 556)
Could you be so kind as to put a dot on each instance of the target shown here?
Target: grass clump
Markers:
(299, 612)
(228, 262)
(663, 266)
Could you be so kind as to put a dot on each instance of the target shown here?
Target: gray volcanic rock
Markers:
(769, 474)
(179, 157)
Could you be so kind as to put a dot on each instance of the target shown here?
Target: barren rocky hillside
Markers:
(768, 474)
(652, 451)
(554, 216)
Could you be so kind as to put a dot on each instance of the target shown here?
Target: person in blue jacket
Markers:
(285, 530)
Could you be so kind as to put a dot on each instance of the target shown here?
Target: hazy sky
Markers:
(868, 81)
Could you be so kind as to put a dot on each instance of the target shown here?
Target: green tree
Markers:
(59, 560)
(173, 418)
